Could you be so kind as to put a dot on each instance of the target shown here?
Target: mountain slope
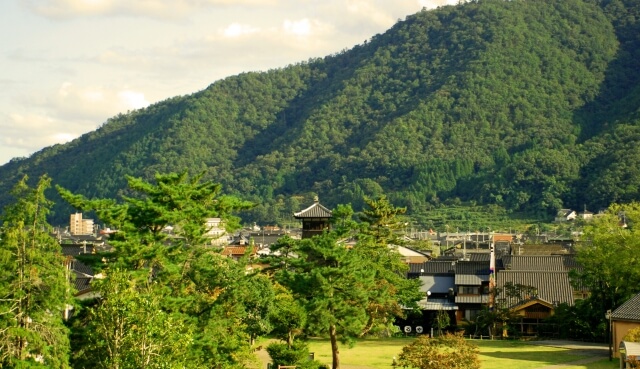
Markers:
(515, 103)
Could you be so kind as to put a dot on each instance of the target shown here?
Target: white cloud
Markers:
(298, 28)
(92, 102)
(29, 132)
(162, 9)
(237, 30)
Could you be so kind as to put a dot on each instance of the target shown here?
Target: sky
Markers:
(66, 66)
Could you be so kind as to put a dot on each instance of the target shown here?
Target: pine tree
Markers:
(34, 284)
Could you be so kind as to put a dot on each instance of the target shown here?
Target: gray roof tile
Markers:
(316, 210)
(533, 263)
(630, 310)
(436, 304)
(553, 286)
(472, 299)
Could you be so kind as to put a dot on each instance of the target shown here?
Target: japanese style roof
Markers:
(532, 301)
(316, 210)
(237, 250)
(479, 256)
(437, 283)
(470, 279)
(472, 273)
(82, 283)
(630, 310)
(551, 286)
(433, 267)
(472, 299)
(533, 263)
(570, 262)
(436, 304)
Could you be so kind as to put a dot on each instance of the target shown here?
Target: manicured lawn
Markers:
(379, 353)
(601, 364)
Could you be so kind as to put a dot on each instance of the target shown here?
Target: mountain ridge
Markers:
(508, 103)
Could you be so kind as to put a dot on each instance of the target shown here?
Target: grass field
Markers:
(379, 353)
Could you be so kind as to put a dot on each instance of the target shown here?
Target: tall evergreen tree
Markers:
(34, 284)
(207, 295)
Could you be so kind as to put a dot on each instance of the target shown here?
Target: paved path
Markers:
(595, 351)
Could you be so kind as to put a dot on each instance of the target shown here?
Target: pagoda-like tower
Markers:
(315, 219)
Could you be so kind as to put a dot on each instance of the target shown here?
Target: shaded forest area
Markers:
(527, 106)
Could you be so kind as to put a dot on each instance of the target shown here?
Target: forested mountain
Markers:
(531, 105)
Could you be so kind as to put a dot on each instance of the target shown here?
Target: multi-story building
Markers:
(80, 226)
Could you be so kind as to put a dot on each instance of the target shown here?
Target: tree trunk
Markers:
(334, 346)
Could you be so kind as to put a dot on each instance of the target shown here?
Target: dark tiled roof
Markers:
(82, 283)
(432, 267)
(77, 249)
(470, 279)
(472, 273)
(552, 286)
(570, 262)
(81, 268)
(479, 256)
(473, 267)
(630, 310)
(316, 210)
(533, 263)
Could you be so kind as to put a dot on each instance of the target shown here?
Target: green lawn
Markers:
(379, 353)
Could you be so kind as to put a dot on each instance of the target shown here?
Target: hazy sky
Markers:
(68, 65)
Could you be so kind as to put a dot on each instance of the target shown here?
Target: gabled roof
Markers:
(316, 210)
(630, 310)
(551, 286)
(532, 301)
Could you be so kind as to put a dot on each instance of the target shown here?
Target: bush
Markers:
(297, 354)
(448, 351)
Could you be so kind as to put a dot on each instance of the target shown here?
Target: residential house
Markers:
(623, 319)
(471, 287)
(216, 231)
(549, 285)
(565, 215)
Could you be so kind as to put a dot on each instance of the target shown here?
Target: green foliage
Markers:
(129, 329)
(609, 257)
(212, 306)
(441, 321)
(283, 354)
(346, 291)
(447, 351)
(35, 292)
(633, 335)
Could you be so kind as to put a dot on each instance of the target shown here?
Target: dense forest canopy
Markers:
(532, 106)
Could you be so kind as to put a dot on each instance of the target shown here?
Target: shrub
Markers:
(447, 351)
